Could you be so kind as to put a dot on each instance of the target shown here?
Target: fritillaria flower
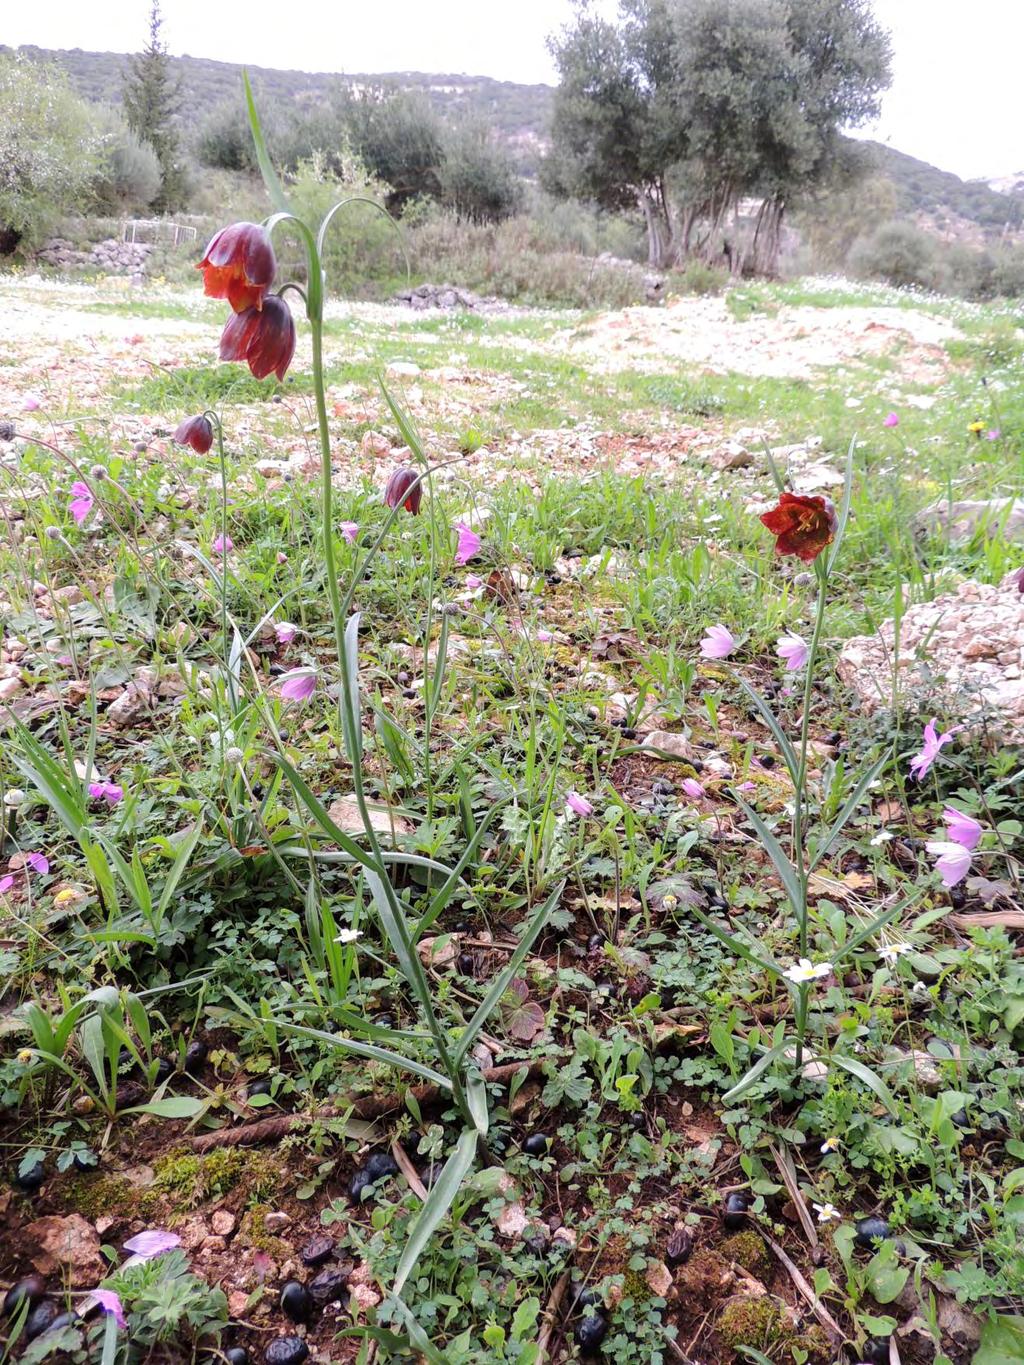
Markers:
(933, 742)
(802, 526)
(804, 971)
(38, 862)
(263, 337)
(892, 420)
(81, 502)
(106, 791)
(952, 861)
(239, 266)
(404, 489)
(196, 432)
(578, 805)
(962, 829)
(31, 404)
(299, 684)
(718, 643)
(469, 543)
(794, 649)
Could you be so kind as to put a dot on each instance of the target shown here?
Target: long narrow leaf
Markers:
(504, 978)
(865, 1074)
(350, 709)
(849, 806)
(375, 1054)
(409, 962)
(438, 1202)
(270, 178)
(789, 755)
(879, 922)
(738, 946)
(785, 869)
(320, 814)
(756, 1072)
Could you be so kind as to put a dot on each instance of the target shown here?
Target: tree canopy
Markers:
(688, 106)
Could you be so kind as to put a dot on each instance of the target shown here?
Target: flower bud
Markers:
(234, 756)
(196, 432)
(239, 266)
(404, 490)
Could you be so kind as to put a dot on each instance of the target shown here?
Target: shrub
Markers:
(48, 147)
(478, 180)
(897, 253)
(128, 174)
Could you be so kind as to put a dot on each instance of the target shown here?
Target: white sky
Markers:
(955, 99)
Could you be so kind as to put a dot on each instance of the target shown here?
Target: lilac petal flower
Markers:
(5, 885)
(544, 637)
(794, 649)
(38, 862)
(285, 632)
(469, 543)
(932, 743)
(962, 829)
(473, 581)
(992, 435)
(718, 643)
(299, 684)
(153, 1242)
(82, 502)
(31, 404)
(892, 420)
(223, 545)
(693, 788)
(110, 1303)
(579, 805)
(953, 861)
(350, 531)
(106, 791)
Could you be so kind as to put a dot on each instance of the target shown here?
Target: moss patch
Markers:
(748, 1251)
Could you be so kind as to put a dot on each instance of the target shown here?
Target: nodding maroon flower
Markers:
(239, 266)
(196, 432)
(404, 490)
(802, 526)
(264, 338)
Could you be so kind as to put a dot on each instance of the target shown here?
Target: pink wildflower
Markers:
(693, 788)
(350, 531)
(82, 502)
(31, 404)
(38, 862)
(285, 632)
(544, 637)
(153, 1242)
(6, 883)
(578, 805)
(933, 742)
(794, 649)
(469, 543)
(718, 643)
(892, 420)
(473, 581)
(299, 684)
(223, 545)
(106, 791)
(962, 829)
(110, 1302)
(953, 861)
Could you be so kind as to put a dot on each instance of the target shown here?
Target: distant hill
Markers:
(521, 115)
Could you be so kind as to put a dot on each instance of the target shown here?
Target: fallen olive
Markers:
(875, 1352)
(31, 1179)
(590, 1298)
(295, 1301)
(678, 1247)
(261, 1086)
(329, 1285)
(596, 942)
(590, 1332)
(536, 1144)
(734, 1215)
(31, 1288)
(870, 1230)
(380, 1164)
(286, 1351)
(63, 1320)
(466, 964)
(41, 1319)
(960, 1118)
(236, 1355)
(195, 1056)
(317, 1250)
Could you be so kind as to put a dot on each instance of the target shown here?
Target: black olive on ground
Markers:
(596, 942)
(357, 1185)
(734, 1215)
(81, 1162)
(286, 1351)
(41, 1319)
(380, 1164)
(296, 1302)
(590, 1332)
(31, 1288)
(628, 732)
(236, 1355)
(961, 1119)
(875, 1352)
(869, 1230)
(536, 1144)
(195, 1056)
(466, 964)
(329, 1285)
(64, 1320)
(589, 1298)
(662, 788)
(261, 1086)
(408, 693)
(678, 1247)
(317, 1250)
(767, 760)
(384, 1020)
(30, 1180)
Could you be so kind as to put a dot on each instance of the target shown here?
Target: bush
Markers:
(897, 253)
(698, 278)
(478, 180)
(128, 175)
(49, 148)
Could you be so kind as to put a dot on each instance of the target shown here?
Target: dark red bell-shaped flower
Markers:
(196, 432)
(239, 266)
(404, 490)
(263, 338)
(802, 526)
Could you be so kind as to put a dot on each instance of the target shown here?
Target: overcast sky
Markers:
(954, 100)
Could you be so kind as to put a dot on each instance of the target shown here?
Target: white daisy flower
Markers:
(348, 935)
(803, 971)
(827, 1213)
